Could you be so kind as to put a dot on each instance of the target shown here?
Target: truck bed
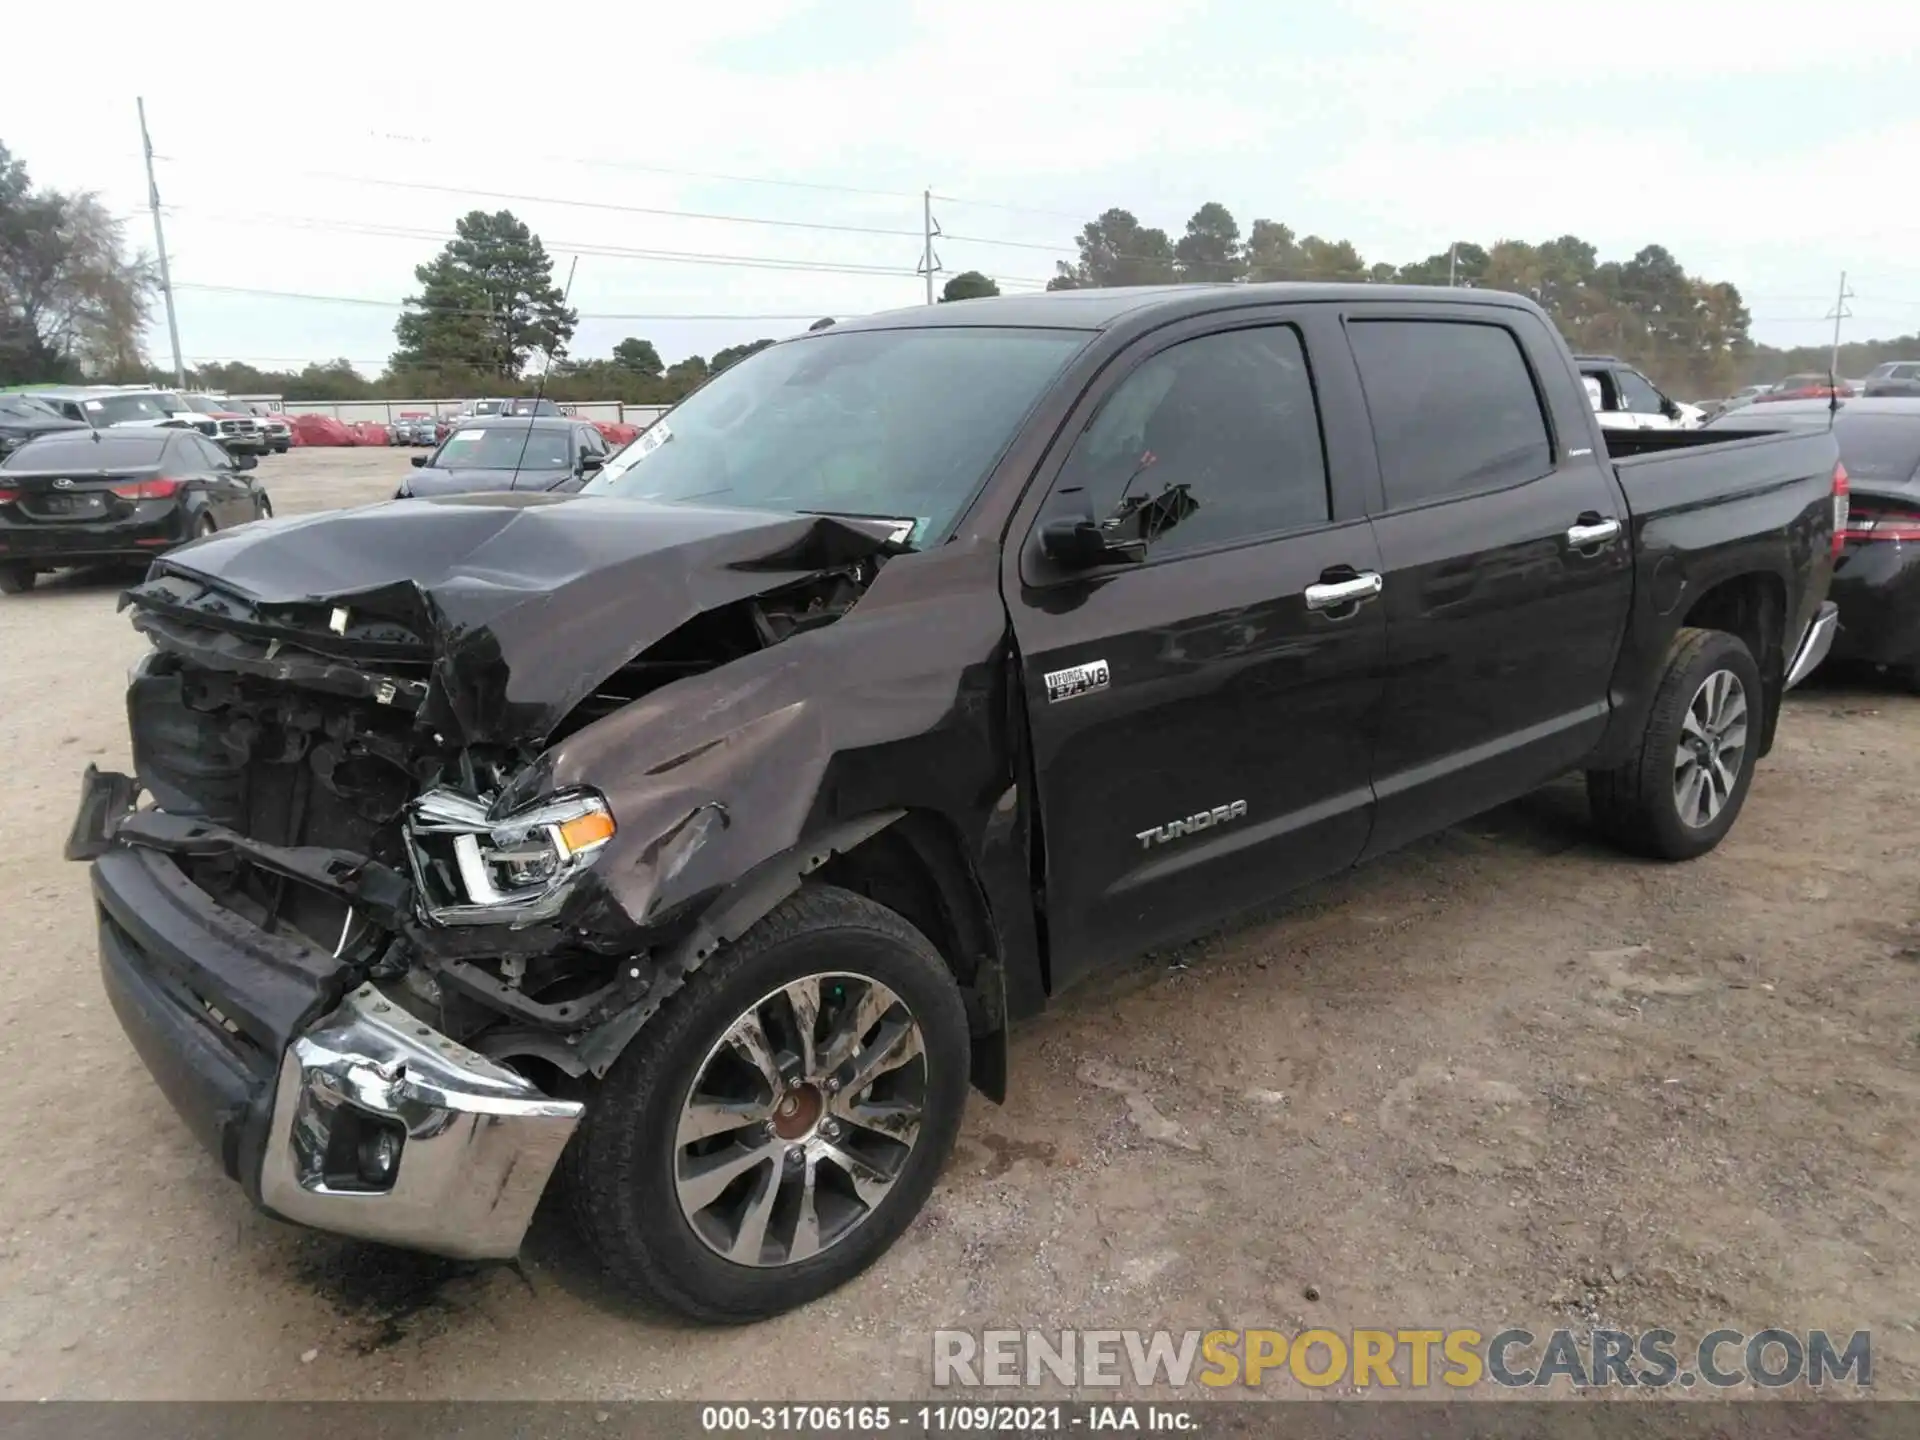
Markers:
(1663, 471)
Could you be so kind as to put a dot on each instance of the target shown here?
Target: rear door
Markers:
(1507, 572)
(204, 466)
(1201, 721)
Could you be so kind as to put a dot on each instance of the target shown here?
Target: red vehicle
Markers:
(1806, 387)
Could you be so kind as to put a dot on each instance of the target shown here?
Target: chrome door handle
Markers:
(1585, 537)
(1331, 596)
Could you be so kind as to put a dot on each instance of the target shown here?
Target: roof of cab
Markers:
(1097, 309)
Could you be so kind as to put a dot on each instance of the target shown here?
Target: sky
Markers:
(1770, 145)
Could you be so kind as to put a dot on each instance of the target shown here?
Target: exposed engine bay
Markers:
(307, 768)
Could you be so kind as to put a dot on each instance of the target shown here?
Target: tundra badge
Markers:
(1079, 680)
(1205, 820)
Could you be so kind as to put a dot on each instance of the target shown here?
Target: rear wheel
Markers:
(16, 577)
(1681, 792)
(783, 1118)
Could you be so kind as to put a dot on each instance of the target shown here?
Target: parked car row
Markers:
(1896, 378)
(232, 424)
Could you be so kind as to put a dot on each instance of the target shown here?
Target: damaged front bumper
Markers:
(332, 1106)
(384, 1129)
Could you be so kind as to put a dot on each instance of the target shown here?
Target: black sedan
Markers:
(537, 452)
(22, 419)
(1876, 581)
(95, 495)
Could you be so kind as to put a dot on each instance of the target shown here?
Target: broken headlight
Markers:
(471, 867)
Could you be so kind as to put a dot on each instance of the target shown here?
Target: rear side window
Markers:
(1453, 407)
(1229, 422)
(86, 452)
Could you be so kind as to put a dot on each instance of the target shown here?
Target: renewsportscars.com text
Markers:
(1415, 1359)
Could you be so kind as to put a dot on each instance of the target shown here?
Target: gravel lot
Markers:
(1503, 1077)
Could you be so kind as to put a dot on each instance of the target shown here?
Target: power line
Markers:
(583, 247)
(517, 197)
(457, 311)
(730, 178)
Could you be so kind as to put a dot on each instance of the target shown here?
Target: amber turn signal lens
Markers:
(583, 832)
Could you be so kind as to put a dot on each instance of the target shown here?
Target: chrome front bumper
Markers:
(471, 1144)
(1814, 644)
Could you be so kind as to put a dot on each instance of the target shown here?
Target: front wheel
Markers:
(1680, 794)
(782, 1120)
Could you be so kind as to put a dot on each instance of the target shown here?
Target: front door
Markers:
(1200, 719)
(1505, 560)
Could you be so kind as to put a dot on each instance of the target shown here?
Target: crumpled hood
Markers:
(527, 601)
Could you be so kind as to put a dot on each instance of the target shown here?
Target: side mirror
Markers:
(1669, 408)
(420, 460)
(592, 462)
(246, 462)
(1074, 542)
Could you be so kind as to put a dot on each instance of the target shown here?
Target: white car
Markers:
(1624, 399)
(111, 406)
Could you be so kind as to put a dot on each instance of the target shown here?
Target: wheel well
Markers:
(917, 867)
(1753, 607)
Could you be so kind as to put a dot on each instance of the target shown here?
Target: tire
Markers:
(622, 1166)
(1637, 804)
(263, 507)
(17, 577)
(204, 527)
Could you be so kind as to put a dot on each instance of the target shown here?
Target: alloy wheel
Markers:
(800, 1119)
(1712, 748)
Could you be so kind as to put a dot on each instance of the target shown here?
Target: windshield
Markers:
(901, 424)
(506, 447)
(202, 404)
(119, 409)
(487, 407)
(532, 407)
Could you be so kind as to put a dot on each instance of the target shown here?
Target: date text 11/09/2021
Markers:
(943, 1419)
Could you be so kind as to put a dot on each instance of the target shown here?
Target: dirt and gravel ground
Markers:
(1503, 1077)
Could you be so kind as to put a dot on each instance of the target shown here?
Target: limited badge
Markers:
(1080, 680)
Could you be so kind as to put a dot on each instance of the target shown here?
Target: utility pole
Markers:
(160, 243)
(1837, 314)
(929, 262)
(1453, 256)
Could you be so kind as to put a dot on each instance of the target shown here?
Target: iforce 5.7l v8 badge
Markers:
(1080, 680)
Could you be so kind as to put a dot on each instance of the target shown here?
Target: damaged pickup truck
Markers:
(693, 841)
